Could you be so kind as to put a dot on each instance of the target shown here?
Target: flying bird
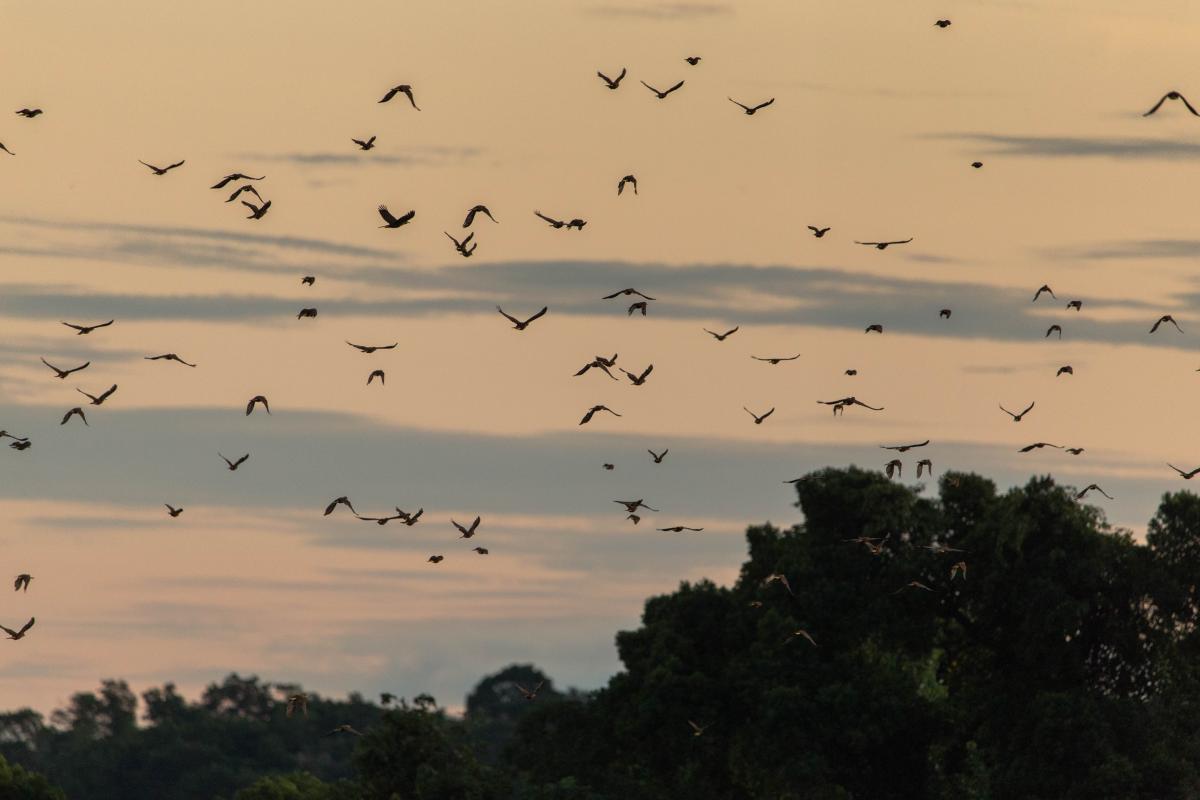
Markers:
(693, 60)
(1065, 370)
(554, 223)
(307, 312)
(627, 292)
(377, 374)
(779, 578)
(943, 23)
(819, 232)
(1054, 329)
(236, 176)
(340, 501)
(628, 179)
(344, 728)
(775, 359)
(895, 466)
(366, 348)
(720, 337)
(530, 695)
(395, 222)
(161, 170)
(168, 357)
(758, 420)
(658, 457)
(1187, 476)
(801, 633)
(472, 211)
(1074, 450)
(21, 444)
(403, 89)
(233, 465)
(976, 164)
(873, 328)
(257, 212)
(632, 506)
(308, 280)
(29, 113)
(1172, 95)
(638, 380)
(461, 247)
(246, 188)
(1017, 417)
(172, 510)
(751, 110)
(63, 373)
(698, 730)
(885, 245)
(85, 329)
(945, 313)
(15, 635)
(1038, 446)
(1166, 318)
(848, 401)
(518, 325)
(1092, 487)
(364, 144)
(680, 529)
(435, 559)
(599, 363)
(641, 305)
(467, 533)
(297, 701)
(258, 398)
(1075, 304)
(903, 448)
(925, 465)
(662, 95)
(97, 400)
(593, 411)
(1043, 288)
(483, 551)
(21, 584)
(610, 82)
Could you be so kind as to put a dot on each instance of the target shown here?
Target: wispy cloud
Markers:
(1127, 148)
(662, 11)
(412, 156)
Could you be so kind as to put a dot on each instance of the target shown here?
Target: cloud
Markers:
(663, 11)
(413, 156)
(1129, 148)
(1140, 248)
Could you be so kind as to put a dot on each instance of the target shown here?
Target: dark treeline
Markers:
(972, 646)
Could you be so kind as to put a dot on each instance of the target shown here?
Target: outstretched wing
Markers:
(29, 624)
(673, 88)
(387, 215)
(390, 94)
(535, 316)
(764, 105)
(1162, 100)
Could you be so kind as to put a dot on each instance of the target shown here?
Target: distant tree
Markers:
(17, 784)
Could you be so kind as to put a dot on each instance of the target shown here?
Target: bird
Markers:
(1187, 476)
(1091, 487)
(627, 292)
(818, 232)
(246, 188)
(693, 60)
(21, 445)
(800, 632)
(638, 380)
(257, 212)
(895, 466)
(168, 357)
(1074, 450)
(751, 110)
(258, 398)
(698, 730)
(5, 149)
(161, 170)
(15, 635)
(403, 89)
(236, 176)
(1043, 289)
(959, 567)
(483, 551)
(634, 518)
(21, 583)
(593, 411)
(1075, 304)
(903, 448)
(609, 467)
(1053, 329)
(1066, 369)
(913, 585)
(380, 520)
(775, 359)
(366, 348)
(467, 533)
(758, 420)
(873, 328)
(612, 83)
(658, 457)
(472, 211)
(943, 23)
(1166, 318)
(6, 434)
(395, 222)
(340, 501)
(628, 179)
(530, 695)
(297, 701)
(519, 325)
(925, 465)
(308, 280)
(411, 519)
(599, 363)
(1172, 95)
(976, 164)
(29, 113)
(98, 400)
(1038, 446)
(720, 337)
(233, 465)
(680, 529)
(307, 312)
(662, 95)
(848, 401)
(63, 373)
(364, 145)
(377, 374)
(461, 247)
(554, 223)
(344, 728)
(435, 559)
(76, 411)
(81, 330)
(632, 506)
(641, 305)
(172, 510)
(1017, 417)
(945, 313)
(885, 245)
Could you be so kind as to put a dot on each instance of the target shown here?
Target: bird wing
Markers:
(588, 416)
(1152, 330)
(673, 88)
(538, 314)
(1027, 410)
(646, 372)
(621, 77)
(240, 460)
(1189, 105)
(548, 219)
(105, 396)
(29, 624)
(9, 631)
(736, 103)
(509, 317)
(387, 216)
(173, 166)
(1162, 100)
(651, 88)
(76, 327)
(764, 105)
(408, 93)
(151, 166)
(390, 94)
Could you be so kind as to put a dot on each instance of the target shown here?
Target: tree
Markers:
(17, 784)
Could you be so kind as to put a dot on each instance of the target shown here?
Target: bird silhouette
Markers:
(680, 529)
(660, 94)
(236, 176)
(758, 420)
(1043, 289)
(403, 89)
(632, 506)
(241, 190)
(344, 728)
(775, 359)
(1187, 476)
(848, 401)
(29, 113)
(257, 212)
(641, 305)
(436, 559)
(518, 325)
(693, 60)
(612, 83)
(467, 532)
(903, 448)
(658, 457)
(720, 337)
(1090, 488)
(1053, 329)
(233, 465)
(600, 363)
(366, 144)
(873, 328)
(1066, 369)
(308, 280)
(945, 313)
(367, 348)
(461, 247)
(310, 313)
(1172, 95)
(21, 583)
(752, 110)
(258, 398)
(81, 330)
(943, 23)
(161, 170)
(976, 164)
(627, 292)
(1038, 446)
(483, 551)
(1074, 450)
(638, 380)
(15, 635)
(339, 501)
(885, 245)
(74, 412)
(21, 445)
(97, 400)
(1075, 304)
(392, 221)
(925, 465)
(1018, 417)
(63, 373)
(894, 467)
(819, 233)
(169, 357)
(377, 374)
(591, 412)
(472, 211)
(530, 695)
(628, 179)
(800, 633)
(1166, 318)
(172, 510)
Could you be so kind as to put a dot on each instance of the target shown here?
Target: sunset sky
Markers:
(878, 116)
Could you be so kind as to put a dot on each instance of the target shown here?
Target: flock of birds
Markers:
(247, 185)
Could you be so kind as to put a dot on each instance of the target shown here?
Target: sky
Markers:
(878, 115)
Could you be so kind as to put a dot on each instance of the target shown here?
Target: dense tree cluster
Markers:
(974, 645)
